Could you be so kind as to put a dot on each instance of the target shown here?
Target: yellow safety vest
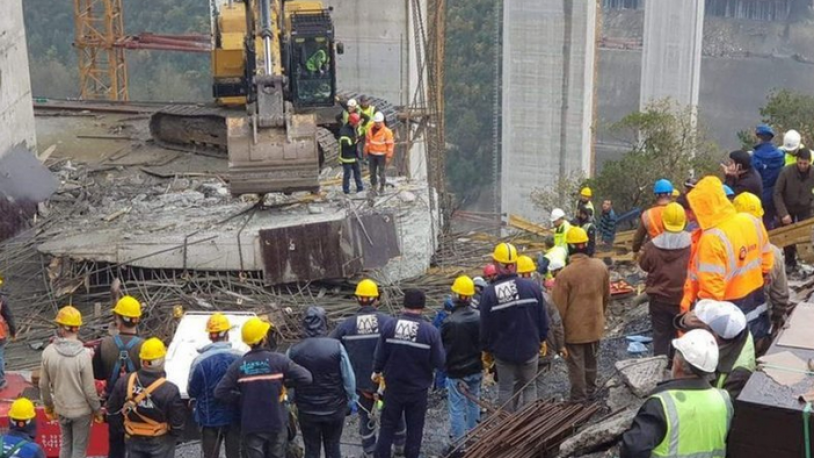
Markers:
(559, 234)
(697, 423)
(746, 360)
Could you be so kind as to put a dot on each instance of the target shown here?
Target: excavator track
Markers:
(328, 147)
(193, 128)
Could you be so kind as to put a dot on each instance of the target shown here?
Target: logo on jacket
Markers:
(742, 253)
(367, 324)
(506, 292)
(406, 330)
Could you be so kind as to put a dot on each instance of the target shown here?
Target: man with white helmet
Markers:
(379, 148)
(480, 285)
(684, 416)
(736, 348)
(792, 143)
(561, 227)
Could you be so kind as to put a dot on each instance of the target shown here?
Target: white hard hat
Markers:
(557, 214)
(479, 281)
(555, 264)
(791, 141)
(724, 318)
(378, 117)
(698, 347)
(352, 103)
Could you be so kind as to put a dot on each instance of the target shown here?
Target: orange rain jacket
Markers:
(732, 254)
(379, 142)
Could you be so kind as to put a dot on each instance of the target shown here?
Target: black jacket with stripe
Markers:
(408, 351)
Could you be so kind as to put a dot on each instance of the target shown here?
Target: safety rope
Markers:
(807, 429)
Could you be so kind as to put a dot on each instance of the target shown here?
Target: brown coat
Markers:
(665, 259)
(582, 294)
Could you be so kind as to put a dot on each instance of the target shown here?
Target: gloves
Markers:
(564, 353)
(487, 359)
(99, 417)
(543, 349)
(49, 413)
(376, 377)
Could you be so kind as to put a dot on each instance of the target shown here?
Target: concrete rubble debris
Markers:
(642, 375)
(621, 397)
(597, 435)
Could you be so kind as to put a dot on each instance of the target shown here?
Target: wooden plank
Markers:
(793, 234)
(526, 225)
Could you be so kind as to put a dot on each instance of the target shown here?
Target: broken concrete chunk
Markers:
(642, 375)
(597, 435)
(407, 196)
(620, 397)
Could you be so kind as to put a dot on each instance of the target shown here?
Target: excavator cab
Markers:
(312, 80)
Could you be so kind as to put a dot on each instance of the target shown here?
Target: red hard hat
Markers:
(489, 270)
(354, 119)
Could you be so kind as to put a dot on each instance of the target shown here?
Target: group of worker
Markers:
(364, 135)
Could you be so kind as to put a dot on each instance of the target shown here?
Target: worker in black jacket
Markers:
(322, 404)
(255, 382)
(513, 329)
(408, 351)
(460, 333)
(7, 332)
(348, 157)
(151, 407)
(359, 335)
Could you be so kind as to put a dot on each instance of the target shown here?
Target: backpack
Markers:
(124, 364)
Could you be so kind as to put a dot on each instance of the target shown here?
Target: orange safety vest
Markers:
(652, 221)
(379, 142)
(143, 426)
(691, 283)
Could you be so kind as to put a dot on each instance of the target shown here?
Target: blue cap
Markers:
(764, 129)
(729, 192)
(663, 187)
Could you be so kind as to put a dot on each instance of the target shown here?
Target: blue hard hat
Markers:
(728, 191)
(764, 129)
(663, 187)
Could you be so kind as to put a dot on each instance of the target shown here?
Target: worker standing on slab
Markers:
(348, 155)
(489, 273)
(740, 175)
(66, 385)
(561, 227)
(651, 224)
(219, 422)
(585, 220)
(685, 416)
(732, 255)
(460, 334)
(736, 348)
(359, 335)
(408, 351)
(793, 196)
(151, 407)
(769, 162)
(607, 224)
(116, 356)
(513, 330)
(20, 439)
(665, 259)
(792, 144)
(8, 331)
(256, 383)
(582, 295)
(553, 254)
(777, 288)
(379, 148)
(585, 196)
(322, 405)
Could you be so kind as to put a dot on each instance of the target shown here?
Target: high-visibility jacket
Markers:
(651, 219)
(733, 253)
(347, 145)
(691, 283)
(136, 424)
(367, 119)
(559, 234)
(789, 157)
(697, 423)
(559, 253)
(589, 205)
(745, 360)
(379, 142)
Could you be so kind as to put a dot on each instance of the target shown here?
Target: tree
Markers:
(562, 195)
(786, 109)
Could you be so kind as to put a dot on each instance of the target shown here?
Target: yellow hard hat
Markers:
(128, 307)
(576, 235)
(463, 286)
(152, 349)
(367, 288)
(254, 329)
(676, 193)
(1, 280)
(69, 316)
(22, 409)
(746, 202)
(505, 253)
(218, 323)
(525, 265)
(674, 217)
(586, 192)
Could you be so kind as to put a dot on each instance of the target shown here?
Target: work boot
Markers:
(381, 189)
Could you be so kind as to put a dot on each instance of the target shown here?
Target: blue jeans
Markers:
(463, 413)
(347, 170)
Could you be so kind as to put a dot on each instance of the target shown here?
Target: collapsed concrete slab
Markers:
(642, 375)
(597, 435)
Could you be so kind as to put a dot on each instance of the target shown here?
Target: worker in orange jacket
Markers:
(732, 256)
(651, 225)
(379, 147)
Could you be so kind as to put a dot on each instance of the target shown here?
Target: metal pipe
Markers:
(266, 33)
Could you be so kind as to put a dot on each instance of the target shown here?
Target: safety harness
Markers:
(14, 449)
(144, 426)
(124, 363)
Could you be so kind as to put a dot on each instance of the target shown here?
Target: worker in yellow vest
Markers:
(152, 409)
(685, 416)
(561, 227)
(585, 196)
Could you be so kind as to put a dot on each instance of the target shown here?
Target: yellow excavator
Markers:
(274, 65)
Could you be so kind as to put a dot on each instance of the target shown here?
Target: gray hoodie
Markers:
(66, 379)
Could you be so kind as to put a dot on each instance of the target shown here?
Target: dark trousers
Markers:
(322, 431)
(212, 438)
(582, 369)
(265, 445)
(377, 165)
(115, 439)
(367, 426)
(151, 447)
(661, 317)
(413, 407)
(348, 170)
(791, 250)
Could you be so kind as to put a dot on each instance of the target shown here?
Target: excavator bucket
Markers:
(274, 159)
